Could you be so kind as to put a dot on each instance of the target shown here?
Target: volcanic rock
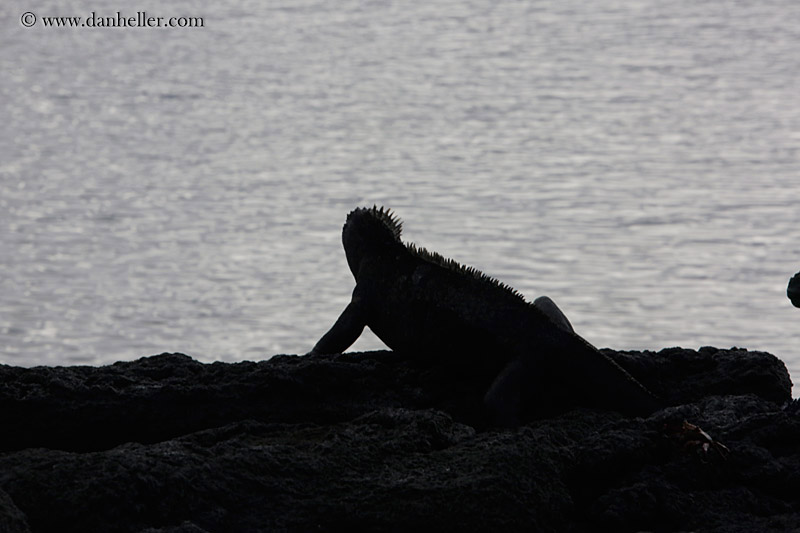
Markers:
(376, 441)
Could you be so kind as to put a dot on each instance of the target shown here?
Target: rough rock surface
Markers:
(373, 441)
(793, 290)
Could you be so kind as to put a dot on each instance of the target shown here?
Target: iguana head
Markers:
(369, 231)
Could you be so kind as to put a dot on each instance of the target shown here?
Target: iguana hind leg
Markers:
(345, 331)
(505, 397)
(503, 401)
(549, 307)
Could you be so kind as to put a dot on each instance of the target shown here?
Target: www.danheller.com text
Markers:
(142, 19)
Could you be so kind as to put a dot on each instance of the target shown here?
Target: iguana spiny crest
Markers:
(378, 229)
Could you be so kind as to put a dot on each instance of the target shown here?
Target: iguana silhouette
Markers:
(428, 306)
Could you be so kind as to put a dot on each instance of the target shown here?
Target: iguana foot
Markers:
(344, 332)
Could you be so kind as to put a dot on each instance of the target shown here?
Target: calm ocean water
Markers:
(183, 189)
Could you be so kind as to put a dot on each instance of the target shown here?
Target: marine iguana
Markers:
(426, 305)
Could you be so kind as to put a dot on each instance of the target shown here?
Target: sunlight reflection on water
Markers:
(184, 191)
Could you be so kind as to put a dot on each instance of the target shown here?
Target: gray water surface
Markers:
(183, 189)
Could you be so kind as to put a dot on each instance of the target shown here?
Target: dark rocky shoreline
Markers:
(374, 441)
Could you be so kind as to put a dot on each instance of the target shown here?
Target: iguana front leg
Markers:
(345, 331)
